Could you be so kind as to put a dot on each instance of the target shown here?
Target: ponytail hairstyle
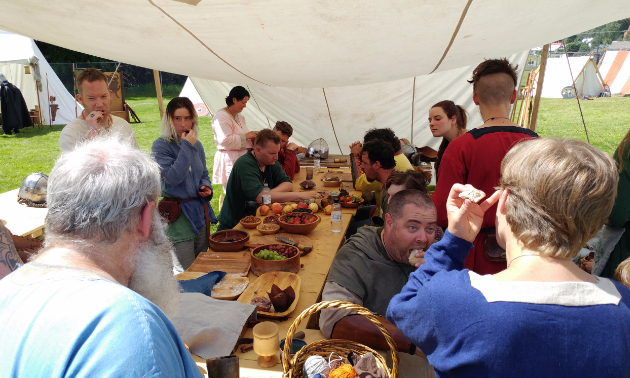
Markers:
(451, 110)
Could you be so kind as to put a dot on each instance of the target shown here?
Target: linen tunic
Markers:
(229, 138)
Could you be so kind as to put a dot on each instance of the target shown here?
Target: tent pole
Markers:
(541, 77)
(39, 103)
(158, 90)
(74, 84)
(48, 101)
(413, 100)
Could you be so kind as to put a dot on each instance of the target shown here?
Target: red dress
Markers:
(475, 158)
(289, 162)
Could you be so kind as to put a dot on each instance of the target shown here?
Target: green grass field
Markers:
(34, 150)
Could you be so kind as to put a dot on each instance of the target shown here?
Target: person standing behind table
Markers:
(620, 214)
(182, 161)
(95, 119)
(259, 166)
(287, 157)
(448, 121)
(475, 157)
(231, 136)
(533, 318)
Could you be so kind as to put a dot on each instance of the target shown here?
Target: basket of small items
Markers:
(327, 356)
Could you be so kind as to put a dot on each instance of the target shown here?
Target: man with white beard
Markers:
(94, 302)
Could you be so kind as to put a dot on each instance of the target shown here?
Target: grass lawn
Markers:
(33, 150)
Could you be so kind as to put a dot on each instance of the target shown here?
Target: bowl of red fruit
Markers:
(275, 257)
(299, 223)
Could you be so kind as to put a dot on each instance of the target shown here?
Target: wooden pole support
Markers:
(539, 86)
(158, 89)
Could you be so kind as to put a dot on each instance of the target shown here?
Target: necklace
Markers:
(234, 117)
(493, 118)
(523, 255)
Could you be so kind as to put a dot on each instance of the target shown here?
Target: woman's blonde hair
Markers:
(622, 273)
(560, 193)
(167, 129)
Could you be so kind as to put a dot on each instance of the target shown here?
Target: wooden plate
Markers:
(262, 286)
(228, 289)
(271, 239)
(235, 263)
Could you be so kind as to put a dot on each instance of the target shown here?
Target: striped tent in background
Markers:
(615, 68)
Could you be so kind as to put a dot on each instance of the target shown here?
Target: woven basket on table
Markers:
(293, 368)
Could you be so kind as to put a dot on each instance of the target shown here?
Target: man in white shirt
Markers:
(95, 119)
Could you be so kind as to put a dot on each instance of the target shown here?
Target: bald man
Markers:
(475, 157)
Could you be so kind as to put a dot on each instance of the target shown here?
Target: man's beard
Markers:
(153, 274)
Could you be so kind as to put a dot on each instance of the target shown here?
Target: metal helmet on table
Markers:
(318, 148)
(33, 190)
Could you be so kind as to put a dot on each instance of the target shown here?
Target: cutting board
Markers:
(344, 177)
(262, 286)
(228, 289)
(234, 263)
(271, 239)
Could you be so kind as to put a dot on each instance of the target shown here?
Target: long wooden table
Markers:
(20, 219)
(313, 276)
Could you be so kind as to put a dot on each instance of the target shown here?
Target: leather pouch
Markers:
(492, 249)
(170, 209)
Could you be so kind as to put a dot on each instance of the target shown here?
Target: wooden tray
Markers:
(262, 286)
(271, 239)
(234, 263)
(344, 177)
(228, 289)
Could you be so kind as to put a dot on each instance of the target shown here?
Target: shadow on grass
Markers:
(34, 132)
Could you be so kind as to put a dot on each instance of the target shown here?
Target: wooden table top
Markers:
(20, 219)
(313, 275)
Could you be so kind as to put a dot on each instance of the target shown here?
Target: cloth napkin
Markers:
(202, 284)
(210, 327)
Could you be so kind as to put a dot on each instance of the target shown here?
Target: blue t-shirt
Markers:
(74, 323)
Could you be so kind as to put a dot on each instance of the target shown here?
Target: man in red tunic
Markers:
(287, 157)
(475, 157)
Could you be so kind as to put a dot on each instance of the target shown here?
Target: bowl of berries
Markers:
(350, 201)
(299, 223)
(275, 257)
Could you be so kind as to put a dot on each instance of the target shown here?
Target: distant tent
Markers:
(341, 115)
(615, 68)
(588, 81)
(18, 52)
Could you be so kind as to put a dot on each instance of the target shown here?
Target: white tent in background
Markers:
(615, 68)
(588, 81)
(16, 52)
(342, 115)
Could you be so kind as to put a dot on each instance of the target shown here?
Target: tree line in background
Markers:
(602, 36)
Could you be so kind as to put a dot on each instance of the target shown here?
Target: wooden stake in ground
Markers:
(158, 89)
(541, 77)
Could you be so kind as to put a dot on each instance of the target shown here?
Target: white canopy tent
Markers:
(343, 114)
(308, 43)
(16, 52)
(583, 70)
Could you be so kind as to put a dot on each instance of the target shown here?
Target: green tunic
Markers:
(620, 215)
(244, 184)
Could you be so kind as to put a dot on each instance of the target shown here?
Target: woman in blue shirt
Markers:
(182, 163)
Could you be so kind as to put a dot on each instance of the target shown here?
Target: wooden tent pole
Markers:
(541, 78)
(158, 89)
(74, 90)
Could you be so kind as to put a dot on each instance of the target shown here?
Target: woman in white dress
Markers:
(231, 135)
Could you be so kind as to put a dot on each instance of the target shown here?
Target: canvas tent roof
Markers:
(308, 43)
(583, 70)
(615, 68)
(17, 51)
(343, 114)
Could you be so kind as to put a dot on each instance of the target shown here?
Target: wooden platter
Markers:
(344, 177)
(228, 289)
(262, 286)
(234, 263)
(271, 239)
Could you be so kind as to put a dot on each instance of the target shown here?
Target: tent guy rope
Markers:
(576, 95)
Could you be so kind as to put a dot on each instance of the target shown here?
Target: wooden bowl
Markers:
(251, 225)
(260, 266)
(268, 232)
(332, 184)
(234, 246)
(351, 205)
(301, 229)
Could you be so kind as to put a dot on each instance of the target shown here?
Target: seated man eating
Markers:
(259, 166)
(287, 157)
(373, 266)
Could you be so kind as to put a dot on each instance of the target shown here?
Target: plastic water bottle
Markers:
(335, 217)
(266, 196)
(316, 163)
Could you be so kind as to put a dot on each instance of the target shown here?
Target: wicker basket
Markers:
(293, 368)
